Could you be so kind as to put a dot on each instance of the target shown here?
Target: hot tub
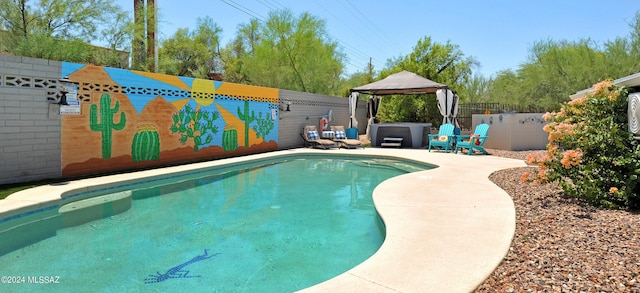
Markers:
(415, 135)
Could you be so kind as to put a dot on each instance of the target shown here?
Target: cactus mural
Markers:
(195, 124)
(106, 124)
(248, 119)
(146, 144)
(229, 139)
(264, 125)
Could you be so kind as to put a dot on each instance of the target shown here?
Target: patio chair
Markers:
(342, 140)
(444, 139)
(474, 142)
(312, 138)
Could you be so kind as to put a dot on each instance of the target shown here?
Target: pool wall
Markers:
(123, 120)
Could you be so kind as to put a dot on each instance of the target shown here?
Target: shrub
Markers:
(591, 153)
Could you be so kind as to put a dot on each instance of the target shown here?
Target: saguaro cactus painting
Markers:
(248, 119)
(106, 124)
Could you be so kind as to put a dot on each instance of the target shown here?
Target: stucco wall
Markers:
(514, 132)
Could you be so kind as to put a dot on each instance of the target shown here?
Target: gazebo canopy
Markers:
(403, 82)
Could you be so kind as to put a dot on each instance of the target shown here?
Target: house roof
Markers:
(627, 81)
(403, 82)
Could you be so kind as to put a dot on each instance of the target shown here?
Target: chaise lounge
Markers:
(312, 138)
(342, 140)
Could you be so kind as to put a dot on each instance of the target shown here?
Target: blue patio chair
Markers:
(444, 139)
(474, 142)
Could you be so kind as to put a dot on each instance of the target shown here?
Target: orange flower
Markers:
(571, 158)
(547, 116)
(532, 159)
(600, 87)
(525, 177)
(613, 190)
(578, 101)
(541, 176)
(613, 95)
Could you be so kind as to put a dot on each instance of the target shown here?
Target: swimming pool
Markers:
(252, 229)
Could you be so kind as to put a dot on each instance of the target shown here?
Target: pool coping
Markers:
(447, 228)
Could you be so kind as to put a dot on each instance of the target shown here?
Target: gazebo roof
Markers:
(403, 82)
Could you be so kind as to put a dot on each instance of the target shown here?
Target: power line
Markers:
(268, 5)
(274, 5)
(243, 9)
(370, 25)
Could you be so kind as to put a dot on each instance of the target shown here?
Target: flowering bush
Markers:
(591, 153)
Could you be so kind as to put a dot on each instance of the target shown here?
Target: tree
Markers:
(557, 69)
(117, 37)
(234, 54)
(442, 63)
(192, 53)
(55, 29)
(476, 90)
(294, 53)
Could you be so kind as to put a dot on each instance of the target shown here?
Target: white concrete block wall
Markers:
(306, 109)
(30, 127)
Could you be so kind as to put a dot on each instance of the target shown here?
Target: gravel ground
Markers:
(562, 244)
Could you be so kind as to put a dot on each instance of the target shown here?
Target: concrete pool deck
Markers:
(447, 228)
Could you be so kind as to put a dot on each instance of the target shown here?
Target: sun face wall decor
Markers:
(130, 120)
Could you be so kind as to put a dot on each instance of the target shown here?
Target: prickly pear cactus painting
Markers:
(195, 124)
(106, 124)
(248, 119)
(263, 125)
(146, 144)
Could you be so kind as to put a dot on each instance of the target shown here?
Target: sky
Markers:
(497, 33)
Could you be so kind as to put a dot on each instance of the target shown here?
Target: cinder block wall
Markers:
(30, 123)
(30, 131)
(307, 109)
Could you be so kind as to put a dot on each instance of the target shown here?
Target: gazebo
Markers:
(406, 82)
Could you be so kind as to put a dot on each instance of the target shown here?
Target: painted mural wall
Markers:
(131, 119)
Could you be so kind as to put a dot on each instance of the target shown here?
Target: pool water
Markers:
(278, 227)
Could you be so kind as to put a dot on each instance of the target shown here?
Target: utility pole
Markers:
(138, 51)
(144, 47)
(152, 27)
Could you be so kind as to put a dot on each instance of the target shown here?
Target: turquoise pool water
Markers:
(277, 226)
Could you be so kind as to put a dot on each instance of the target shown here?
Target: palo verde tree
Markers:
(55, 29)
(554, 70)
(294, 53)
(442, 63)
(192, 53)
(233, 55)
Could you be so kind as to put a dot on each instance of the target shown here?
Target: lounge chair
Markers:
(312, 138)
(474, 142)
(444, 139)
(342, 140)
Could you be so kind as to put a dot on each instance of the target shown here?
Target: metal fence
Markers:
(466, 110)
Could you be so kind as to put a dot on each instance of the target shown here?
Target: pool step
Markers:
(392, 142)
(95, 208)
